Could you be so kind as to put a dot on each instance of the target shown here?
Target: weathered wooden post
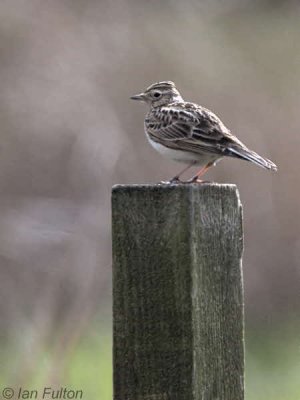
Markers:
(177, 292)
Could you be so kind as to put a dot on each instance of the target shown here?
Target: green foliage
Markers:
(273, 364)
(87, 366)
(90, 367)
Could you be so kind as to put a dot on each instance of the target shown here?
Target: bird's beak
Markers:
(140, 97)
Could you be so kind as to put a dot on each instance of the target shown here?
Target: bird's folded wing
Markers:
(190, 132)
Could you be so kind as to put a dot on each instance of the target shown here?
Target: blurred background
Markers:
(69, 132)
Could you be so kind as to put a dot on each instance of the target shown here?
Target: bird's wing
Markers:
(189, 127)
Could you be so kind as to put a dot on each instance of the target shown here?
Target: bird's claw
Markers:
(172, 181)
(176, 180)
(195, 179)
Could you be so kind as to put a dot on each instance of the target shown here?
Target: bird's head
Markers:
(159, 94)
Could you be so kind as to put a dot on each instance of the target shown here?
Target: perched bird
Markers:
(189, 133)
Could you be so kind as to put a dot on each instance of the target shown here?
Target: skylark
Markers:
(189, 133)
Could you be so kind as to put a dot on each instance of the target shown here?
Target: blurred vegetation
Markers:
(69, 131)
(87, 367)
(272, 365)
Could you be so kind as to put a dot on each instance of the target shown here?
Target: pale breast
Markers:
(182, 156)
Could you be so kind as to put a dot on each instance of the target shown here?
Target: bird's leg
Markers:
(200, 173)
(176, 177)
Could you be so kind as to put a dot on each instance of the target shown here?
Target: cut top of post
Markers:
(206, 203)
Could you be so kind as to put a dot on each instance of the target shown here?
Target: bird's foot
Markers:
(172, 181)
(195, 179)
(176, 180)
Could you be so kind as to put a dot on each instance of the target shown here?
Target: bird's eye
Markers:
(156, 95)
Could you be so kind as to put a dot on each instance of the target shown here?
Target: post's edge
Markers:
(150, 186)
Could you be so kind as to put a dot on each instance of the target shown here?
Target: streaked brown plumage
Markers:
(190, 133)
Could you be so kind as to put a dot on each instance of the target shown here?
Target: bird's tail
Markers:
(245, 154)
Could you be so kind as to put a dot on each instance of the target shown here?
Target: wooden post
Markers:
(177, 292)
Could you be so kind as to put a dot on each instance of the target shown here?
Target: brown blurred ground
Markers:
(69, 132)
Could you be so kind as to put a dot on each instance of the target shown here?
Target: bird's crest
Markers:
(161, 85)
